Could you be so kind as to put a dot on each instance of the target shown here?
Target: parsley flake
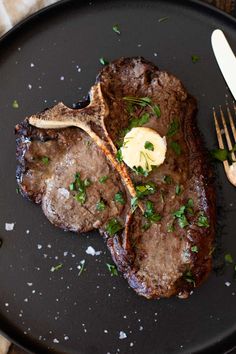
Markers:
(112, 269)
(119, 198)
(15, 104)
(229, 258)
(100, 206)
(149, 146)
(45, 160)
(194, 249)
(173, 128)
(116, 29)
(175, 147)
(103, 179)
(113, 226)
(103, 61)
(202, 220)
(195, 58)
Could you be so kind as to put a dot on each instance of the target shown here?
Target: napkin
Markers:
(13, 11)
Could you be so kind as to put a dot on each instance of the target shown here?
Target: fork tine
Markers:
(220, 140)
(230, 147)
(231, 123)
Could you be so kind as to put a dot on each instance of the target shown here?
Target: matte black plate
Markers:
(55, 56)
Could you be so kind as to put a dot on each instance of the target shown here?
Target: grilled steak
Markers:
(166, 250)
(48, 162)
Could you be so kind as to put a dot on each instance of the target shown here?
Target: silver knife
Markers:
(225, 59)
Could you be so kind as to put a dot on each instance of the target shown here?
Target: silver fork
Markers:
(230, 170)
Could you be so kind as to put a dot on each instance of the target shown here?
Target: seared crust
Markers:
(156, 263)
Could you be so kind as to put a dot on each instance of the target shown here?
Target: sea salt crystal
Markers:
(227, 283)
(29, 284)
(55, 340)
(30, 87)
(39, 247)
(131, 344)
(9, 226)
(31, 65)
(66, 338)
(62, 78)
(91, 251)
(122, 335)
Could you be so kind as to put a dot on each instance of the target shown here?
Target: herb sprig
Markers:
(79, 186)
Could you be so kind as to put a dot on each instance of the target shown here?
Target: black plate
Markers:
(62, 312)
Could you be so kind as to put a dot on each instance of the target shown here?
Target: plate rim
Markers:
(10, 331)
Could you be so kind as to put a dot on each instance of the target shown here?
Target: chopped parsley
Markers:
(194, 249)
(17, 190)
(81, 266)
(150, 213)
(149, 146)
(162, 19)
(178, 189)
(189, 277)
(229, 258)
(112, 269)
(173, 128)
(103, 179)
(15, 104)
(143, 102)
(79, 186)
(202, 220)
(45, 160)
(100, 206)
(119, 156)
(168, 179)
(119, 198)
(140, 171)
(134, 203)
(116, 29)
(57, 267)
(175, 147)
(113, 226)
(195, 58)
(103, 61)
(146, 189)
(180, 215)
(189, 206)
(220, 154)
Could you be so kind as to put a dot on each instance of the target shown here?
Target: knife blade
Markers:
(225, 59)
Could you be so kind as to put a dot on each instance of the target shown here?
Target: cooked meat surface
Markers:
(48, 162)
(166, 250)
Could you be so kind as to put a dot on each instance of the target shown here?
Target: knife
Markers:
(225, 59)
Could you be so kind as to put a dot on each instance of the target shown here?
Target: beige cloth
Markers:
(12, 11)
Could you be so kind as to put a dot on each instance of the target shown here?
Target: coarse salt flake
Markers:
(91, 251)
(122, 335)
(9, 226)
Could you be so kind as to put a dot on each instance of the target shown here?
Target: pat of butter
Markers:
(134, 152)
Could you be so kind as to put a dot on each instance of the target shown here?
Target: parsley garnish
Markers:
(189, 206)
(149, 146)
(134, 203)
(103, 61)
(15, 104)
(17, 190)
(45, 160)
(113, 226)
(168, 179)
(79, 186)
(194, 249)
(116, 29)
(57, 267)
(146, 189)
(229, 258)
(119, 156)
(180, 215)
(173, 128)
(220, 154)
(100, 206)
(103, 179)
(119, 198)
(178, 189)
(143, 102)
(162, 19)
(112, 269)
(202, 220)
(140, 171)
(81, 266)
(189, 277)
(195, 58)
(175, 147)
(150, 214)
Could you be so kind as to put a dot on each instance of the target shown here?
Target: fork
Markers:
(230, 170)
